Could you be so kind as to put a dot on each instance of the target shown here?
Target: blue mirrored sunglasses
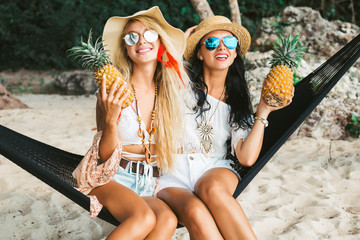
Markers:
(213, 42)
(133, 37)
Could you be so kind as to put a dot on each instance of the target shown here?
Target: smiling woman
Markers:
(203, 180)
(134, 143)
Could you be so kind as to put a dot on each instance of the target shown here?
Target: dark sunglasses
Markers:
(213, 42)
(133, 38)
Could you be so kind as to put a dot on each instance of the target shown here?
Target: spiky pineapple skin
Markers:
(111, 74)
(278, 86)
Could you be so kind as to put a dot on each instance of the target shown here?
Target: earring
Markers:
(201, 58)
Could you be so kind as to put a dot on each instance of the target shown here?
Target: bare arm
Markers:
(247, 152)
(107, 114)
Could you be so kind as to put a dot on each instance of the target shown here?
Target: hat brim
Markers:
(237, 30)
(115, 26)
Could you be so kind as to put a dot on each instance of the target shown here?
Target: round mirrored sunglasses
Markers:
(133, 38)
(213, 42)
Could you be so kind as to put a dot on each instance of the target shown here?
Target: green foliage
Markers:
(297, 79)
(2, 80)
(329, 14)
(279, 26)
(353, 126)
(35, 34)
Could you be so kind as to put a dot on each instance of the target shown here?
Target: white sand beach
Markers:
(309, 190)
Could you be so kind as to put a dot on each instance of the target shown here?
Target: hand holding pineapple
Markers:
(113, 100)
(278, 86)
(95, 59)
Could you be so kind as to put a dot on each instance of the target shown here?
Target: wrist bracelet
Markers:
(263, 120)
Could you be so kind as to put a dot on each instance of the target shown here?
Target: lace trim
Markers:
(189, 147)
(193, 147)
(90, 175)
(95, 206)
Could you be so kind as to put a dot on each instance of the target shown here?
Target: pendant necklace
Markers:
(152, 128)
(206, 131)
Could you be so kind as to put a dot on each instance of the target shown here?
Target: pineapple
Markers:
(95, 58)
(278, 84)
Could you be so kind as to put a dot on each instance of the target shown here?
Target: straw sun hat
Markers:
(218, 23)
(115, 26)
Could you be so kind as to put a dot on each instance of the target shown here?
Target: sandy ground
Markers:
(309, 190)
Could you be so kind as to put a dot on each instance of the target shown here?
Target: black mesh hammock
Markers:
(55, 166)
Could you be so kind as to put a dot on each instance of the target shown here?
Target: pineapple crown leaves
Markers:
(287, 51)
(92, 56)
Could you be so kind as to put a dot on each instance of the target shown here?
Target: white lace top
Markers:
(222, 130)
(128, 127)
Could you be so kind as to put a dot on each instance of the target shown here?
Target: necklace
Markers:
(206, 131)
(152, 128)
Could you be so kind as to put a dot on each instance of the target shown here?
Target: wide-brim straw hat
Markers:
(115, 26)
(218, 23)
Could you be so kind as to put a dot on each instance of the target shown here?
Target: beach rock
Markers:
(8, 101)
(24, 81)
(321, 37)
(75, 83)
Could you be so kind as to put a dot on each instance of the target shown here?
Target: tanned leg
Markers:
(136, 217)
(215, 189)
(166, 221)
(191, 212)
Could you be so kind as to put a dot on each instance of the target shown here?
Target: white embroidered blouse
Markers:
(190, 142)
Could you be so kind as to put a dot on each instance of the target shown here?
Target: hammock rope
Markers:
(55, 166)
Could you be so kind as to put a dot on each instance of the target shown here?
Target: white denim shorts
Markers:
(187, 170)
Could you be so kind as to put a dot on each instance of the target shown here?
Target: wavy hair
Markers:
(236, 90)
(170, 100)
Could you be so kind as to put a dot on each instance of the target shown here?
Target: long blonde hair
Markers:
(170, 101)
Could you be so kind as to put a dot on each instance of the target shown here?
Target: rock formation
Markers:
(75, 83)
(8, 101)
(322, 38)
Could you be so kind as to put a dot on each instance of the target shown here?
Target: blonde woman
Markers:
(148, 53)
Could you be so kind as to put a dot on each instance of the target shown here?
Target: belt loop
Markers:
(137, 176)
(130, 167)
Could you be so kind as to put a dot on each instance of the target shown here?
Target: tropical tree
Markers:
(235, 11)
(203, 9)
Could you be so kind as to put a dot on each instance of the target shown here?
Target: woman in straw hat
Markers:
(148, 53)
(201, 185)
